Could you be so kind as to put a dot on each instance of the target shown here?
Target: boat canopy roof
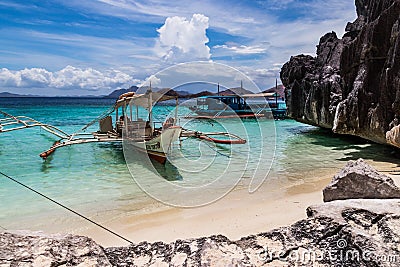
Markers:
(243, 96)
(142, 100)
(260, 95)
(219, 96)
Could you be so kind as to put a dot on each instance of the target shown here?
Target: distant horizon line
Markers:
(7, 94)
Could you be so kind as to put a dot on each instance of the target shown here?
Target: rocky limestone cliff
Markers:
(353, 85)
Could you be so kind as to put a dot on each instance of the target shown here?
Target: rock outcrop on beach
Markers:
(353, 85)
(350, 232)
(359, 180)
(34, 249)
(339, 233)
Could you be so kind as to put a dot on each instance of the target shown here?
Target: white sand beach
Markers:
(236, 215)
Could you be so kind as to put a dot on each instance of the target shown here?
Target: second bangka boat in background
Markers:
(243, 106)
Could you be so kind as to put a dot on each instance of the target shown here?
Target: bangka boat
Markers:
(244, 106)
(141, 133)
(138, 133)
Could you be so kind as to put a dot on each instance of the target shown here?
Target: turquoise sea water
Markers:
(94, 179)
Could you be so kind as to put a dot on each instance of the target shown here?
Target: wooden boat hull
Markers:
(227, 116)
(222, 141)
(215, 114)
(158, 147)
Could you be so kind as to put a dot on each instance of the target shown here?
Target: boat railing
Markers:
(134, 129)
(259, 107)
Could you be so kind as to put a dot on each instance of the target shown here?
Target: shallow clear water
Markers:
(94, 179)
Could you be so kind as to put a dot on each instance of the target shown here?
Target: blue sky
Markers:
(80, 47)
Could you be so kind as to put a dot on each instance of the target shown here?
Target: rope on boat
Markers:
(67, 208)
(10, 116)
(220, 112)
(102, 116)
(216, 150)
(71, 137)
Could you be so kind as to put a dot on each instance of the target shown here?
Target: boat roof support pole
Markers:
(176, 110)
(151, 108)
(116, 116)
(276, 92)
(130, 109)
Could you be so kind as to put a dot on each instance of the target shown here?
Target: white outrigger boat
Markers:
(138, 133)
(142, 134)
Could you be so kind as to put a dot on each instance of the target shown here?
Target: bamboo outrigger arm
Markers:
(232, 138)
(82, 139)
(13, 123)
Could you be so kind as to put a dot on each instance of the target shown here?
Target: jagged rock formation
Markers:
(359, 180)
(353, 85)
(362, 231)
(313, 85)
(33, 249)
(338, 233)
(309, 241)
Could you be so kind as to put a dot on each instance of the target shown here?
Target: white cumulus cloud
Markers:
(264, 77)
(184, 40)
(68, 78)
(242, 49)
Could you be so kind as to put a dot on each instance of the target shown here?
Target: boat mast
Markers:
(218, 90)
(151, 107)
(176, 110)
(116, 117)
(276, 92)
(130, 110)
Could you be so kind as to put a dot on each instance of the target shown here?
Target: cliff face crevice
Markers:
(353, 85)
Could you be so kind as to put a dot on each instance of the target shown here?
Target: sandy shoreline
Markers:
(236, 215)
